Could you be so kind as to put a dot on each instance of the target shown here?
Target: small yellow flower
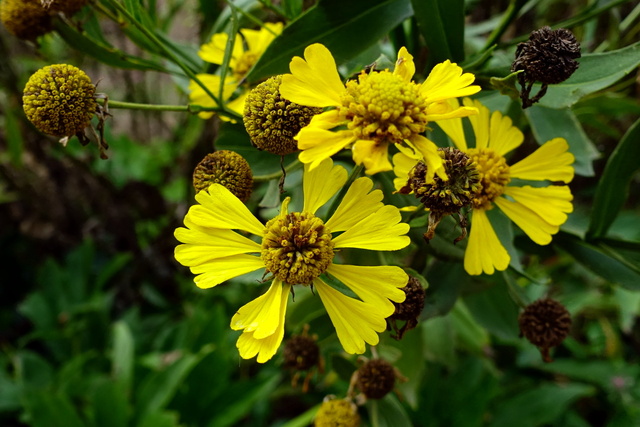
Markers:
(537, 210)
(380, 108)
(246, 50)
(297, 248)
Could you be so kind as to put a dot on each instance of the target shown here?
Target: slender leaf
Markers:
(345, 27)
(123, 353)
(110, 406)
(388, 412)
(441, 23)
(494, 309)
(46, 409)
(613, 186)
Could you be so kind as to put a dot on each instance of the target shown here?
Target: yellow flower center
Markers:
(244, 64)
(297, 247)
(382, 106)
(494, 176)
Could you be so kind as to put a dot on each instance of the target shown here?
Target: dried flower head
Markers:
(545, 323)
(337, 413)
(227, 168)
(548, 57)
(302, 354)
(272, 121)
(409, 310)
(25, 19)
(375, 378)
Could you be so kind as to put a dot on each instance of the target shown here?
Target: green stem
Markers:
(189, 108)
(293, 166)
(355, 173)
(507, 18)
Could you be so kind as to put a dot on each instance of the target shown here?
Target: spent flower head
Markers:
(545, 323)
(227, 168)
(25, 19)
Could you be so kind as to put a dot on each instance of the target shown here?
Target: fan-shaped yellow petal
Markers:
(219, 208)
(373, 154)
(321, 183)
(214, 272)
(213, 52)
(484, 253)
(258, 40)
(447, 80)
(202, 246)
(314, 81)
(405, 67)
(375, 285)
(453, 127)
(533, 224)
(381, 231)
(320, 144)
(198, 96)
(503, 136)
(479, 122)
(358, 202)
(551, 161)
(402, 165)
(262, 315)
(430, 157)
(356, 322)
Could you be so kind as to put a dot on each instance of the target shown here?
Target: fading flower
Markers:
(537, 210)
(297, 248)
(378, 109)
(247, 49)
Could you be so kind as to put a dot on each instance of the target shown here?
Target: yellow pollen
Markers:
(382, 106)
(297, 247)
(494, 176)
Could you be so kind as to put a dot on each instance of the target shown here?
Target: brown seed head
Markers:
(545, 323)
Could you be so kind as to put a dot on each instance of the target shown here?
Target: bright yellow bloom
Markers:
(297, 248)
(378, 109)
(537, 210)
(246, 50)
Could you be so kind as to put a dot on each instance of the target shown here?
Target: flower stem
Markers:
(293, 166)
(507, 18)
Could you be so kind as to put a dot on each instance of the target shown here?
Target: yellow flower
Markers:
(242, 59)
(537, 210)
(297, 248)
(378, 109)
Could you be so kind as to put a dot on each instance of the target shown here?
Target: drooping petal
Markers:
(447, 80)
(405, 67)
(249, 346)
(381, 231)
(320, 144)
(213, 52)
(479, 122)
(214, 272)
(358, 203)
(219, 208)
(258, 40)
(453, 127)
(431, 158)
(321, 183)
(503, 136)
(539, 212)
(262, 315)
(200, 246)
(403, 162)
(551, 161)
(314, 81)
(442, 111)
(375, 285)
(374, 155)
(326, 120)
(356, 322)
(484, 253)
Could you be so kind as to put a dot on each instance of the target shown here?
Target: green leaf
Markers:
(597, 71)
(613, 186)
(441, 22)
(344, 27)
(609, 265)
(160, 419)
(445, 281)
(507, 85)
(494, 309)
(388, 412)
(46, 409)
(123, 354)
(539, 406)
(547, 123)
(110, 406)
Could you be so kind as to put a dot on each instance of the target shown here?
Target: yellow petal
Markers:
(219, 208)
(447, 80)
(202, 246)
(405, 67)
(430, 157)
(258, 40)
(479, 122)
(402, 165)
(530, 222)
(249, 346)
(551, 161)
(321, 183)
(198, 96)
(484, 253)
(381, 231)
(503, 136)
(320, 144)
(356, 322)
(262, 315)
(214, 272)
(374, 285)
(358, 202)
(314, 81)
(373, 154)
(213, 52)
(453, 126)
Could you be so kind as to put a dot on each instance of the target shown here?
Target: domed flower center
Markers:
(494, 176)
(297, 247)
(244, 64)
(382, 106)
